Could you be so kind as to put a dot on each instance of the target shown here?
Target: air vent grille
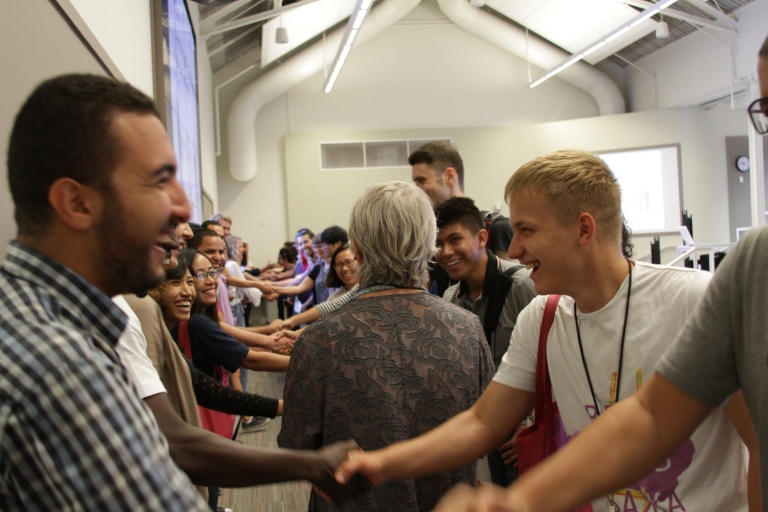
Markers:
(369, 154)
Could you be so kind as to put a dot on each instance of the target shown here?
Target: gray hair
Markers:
(393, 225)
(221, 216)
(231, 241)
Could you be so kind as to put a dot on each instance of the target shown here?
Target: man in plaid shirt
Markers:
(92, 176)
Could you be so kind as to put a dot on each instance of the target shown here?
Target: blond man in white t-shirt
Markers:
(565, 210)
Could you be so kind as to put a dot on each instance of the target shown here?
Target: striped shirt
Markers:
(74, 434)
(329, 306)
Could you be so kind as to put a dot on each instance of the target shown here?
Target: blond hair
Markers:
(572, 182)
(394, 227)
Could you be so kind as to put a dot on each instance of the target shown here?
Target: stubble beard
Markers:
(128, 263)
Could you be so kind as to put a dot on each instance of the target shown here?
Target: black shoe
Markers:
(256, 423)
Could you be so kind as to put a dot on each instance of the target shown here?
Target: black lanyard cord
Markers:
(621, 352)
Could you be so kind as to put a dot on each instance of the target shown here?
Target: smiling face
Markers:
(319, 249)
(142, 205)
(543, 244)
(215, 248)
(428, 180)
(460, 251)
(176, 297)
(346, 268)
(304, 243)
(205, 288)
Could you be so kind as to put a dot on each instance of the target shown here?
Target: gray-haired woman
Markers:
(392, 363)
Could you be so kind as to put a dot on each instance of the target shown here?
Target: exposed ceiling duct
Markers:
(241, 123)
(540, 53)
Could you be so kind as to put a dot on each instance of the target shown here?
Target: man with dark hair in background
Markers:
(333, 237)
(93, 179)
(495, 290)
(438, 170)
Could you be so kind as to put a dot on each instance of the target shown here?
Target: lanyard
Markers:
(615, 396)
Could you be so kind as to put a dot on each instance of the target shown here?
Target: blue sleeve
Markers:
(211, 345)
(315, 272)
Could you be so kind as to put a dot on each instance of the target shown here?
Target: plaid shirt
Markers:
(74, 434)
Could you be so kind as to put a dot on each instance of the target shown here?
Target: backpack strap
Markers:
(496, 301)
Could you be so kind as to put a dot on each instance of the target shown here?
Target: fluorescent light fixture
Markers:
(620, 31)
(617, 34)
(594, 48)
(359, 19)
(353, 27)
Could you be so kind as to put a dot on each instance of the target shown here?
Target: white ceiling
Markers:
(574, 25)
(303, 23)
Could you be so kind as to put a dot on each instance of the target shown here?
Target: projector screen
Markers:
(651, 194)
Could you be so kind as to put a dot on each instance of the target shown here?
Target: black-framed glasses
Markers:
(202, 275)
(758, 113)
(346, 263)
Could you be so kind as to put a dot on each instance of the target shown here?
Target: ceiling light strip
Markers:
(626, 27)
(362, 7)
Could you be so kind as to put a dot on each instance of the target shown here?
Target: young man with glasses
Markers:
(720, 351)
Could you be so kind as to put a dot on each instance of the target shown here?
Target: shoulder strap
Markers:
(184, 343)
(543, 383)
(497, 300)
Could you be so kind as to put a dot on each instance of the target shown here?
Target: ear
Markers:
(482, 238)
(78, 206)
(449, 176)
(356, 250)
(587, 228)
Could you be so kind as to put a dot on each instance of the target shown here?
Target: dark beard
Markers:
(127, 263)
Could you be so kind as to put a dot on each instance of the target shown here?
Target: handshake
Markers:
(348, 472)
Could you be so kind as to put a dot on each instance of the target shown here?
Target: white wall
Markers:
(317, 199)
(36, 44)
(697, 68)
(123, 29)
(423, 72)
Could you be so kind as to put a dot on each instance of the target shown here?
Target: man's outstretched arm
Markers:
(461, 440)
(210, 459)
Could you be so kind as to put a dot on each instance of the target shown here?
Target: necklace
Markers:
(614, 392)
(615, 386)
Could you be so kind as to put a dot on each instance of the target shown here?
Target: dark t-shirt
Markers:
(212, 346)
(501, 236)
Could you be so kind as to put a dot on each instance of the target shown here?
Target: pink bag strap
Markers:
(543, 383)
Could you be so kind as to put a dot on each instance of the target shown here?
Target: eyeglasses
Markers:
(758, 112)
(346, 263)
(202, 276)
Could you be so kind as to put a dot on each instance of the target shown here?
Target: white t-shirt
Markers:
(132, 349)
(709, 471)
(253, 294)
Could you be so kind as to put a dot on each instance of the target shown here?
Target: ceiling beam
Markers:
(720, 23)
(209, 22)
(229, 42)
(249, 20)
